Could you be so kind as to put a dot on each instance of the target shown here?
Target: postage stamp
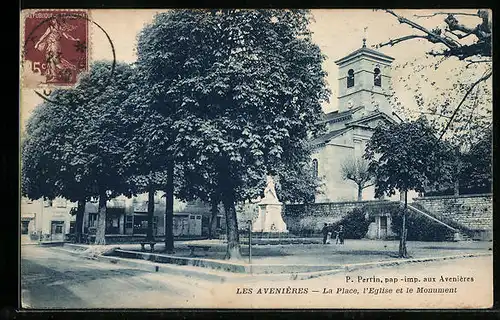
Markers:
(55, 47)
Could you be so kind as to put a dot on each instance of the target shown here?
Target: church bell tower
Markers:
(364, 80)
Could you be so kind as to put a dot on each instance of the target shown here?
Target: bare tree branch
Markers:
(446, 13)
(433, 35)
(398, 40)
(482, 32)
(432, 114)
(476, 61)
(483, 78)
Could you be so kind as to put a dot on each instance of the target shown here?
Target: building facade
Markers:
(52, 220)
(46, 220)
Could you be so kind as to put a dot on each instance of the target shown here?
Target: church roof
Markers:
(364, 50)
(346, 115)
(328, 136)
(336, 116)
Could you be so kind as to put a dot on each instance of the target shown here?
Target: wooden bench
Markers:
(193, 247)
(151, 245)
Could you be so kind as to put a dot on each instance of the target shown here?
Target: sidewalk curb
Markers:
(153, 267)
(222, 276)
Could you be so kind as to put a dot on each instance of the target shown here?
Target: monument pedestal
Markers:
(269, 218)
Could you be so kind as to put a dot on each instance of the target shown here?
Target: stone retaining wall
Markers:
(310, 218)
(474, 212)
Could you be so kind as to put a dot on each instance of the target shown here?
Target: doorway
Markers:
(57, 230)
(383, 227)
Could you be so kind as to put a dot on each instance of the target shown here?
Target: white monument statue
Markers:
(269, 218)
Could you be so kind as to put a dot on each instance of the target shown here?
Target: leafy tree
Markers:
(49, 140)
(356, 170)
(250, 89)
(103, 148)
(150, 138)
(407, 156)
(477, 174)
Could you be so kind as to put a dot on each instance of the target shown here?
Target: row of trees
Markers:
(210, 124)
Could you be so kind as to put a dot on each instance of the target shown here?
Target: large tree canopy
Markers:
(247, 95)
(47, 167)
(79, 144)
(407, 156)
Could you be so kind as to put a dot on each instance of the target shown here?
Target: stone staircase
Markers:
(459, 231)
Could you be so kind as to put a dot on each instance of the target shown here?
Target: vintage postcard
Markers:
(226, 158)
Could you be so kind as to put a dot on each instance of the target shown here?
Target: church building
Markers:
(364, 78)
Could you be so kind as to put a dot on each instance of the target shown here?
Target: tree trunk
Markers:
(402, 242)
(456, 183)
(360, 192)
(151, 212)
(169, 209)
(233, 239)
(213, 219)
(100, 238)
(80, 212)
(456, 187)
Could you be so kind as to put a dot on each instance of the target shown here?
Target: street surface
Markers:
(54, 279)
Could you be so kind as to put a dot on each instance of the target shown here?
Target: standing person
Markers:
(341, 234)
(325, 233)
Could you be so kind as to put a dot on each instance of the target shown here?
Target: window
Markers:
(377, 77)
(198, 217)
(129, 220)
(350, 78)
(315, 167)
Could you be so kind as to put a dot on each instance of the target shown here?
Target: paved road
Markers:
(52, 279)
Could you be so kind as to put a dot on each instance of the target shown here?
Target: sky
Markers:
(336, 31)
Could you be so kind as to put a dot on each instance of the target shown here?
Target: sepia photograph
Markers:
(256, 159)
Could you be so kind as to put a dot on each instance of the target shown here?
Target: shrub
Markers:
(355, 224)
(420, 228)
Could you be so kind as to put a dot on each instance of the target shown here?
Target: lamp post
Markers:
(250, 244)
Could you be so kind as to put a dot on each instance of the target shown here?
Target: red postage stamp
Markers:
(55, 46)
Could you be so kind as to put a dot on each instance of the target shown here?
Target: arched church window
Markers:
(315, 167)
(377, 77)
(350, 78)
